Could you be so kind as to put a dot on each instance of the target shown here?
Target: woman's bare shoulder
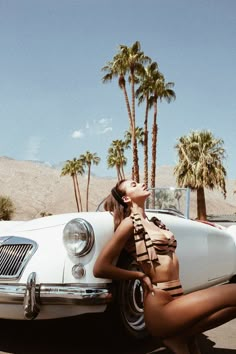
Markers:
(126, 226)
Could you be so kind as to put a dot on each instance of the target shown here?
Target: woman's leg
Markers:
(212, 321)
(190, 314)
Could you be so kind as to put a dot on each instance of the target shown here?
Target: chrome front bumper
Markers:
(32, 295)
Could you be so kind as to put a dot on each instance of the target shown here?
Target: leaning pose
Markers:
(169, 314)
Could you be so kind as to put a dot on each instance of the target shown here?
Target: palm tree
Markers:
(117, 161)
(79, 171)
(129, 60)
(139, 136)
(200, 166)
(88, 159)
(162, 91)
(116, 157)
(7, 208)
(146, 79)
(116, 68)
(72, 167)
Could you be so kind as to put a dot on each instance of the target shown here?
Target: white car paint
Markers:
(207, 256)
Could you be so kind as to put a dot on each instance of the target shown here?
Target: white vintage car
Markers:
(46, 264)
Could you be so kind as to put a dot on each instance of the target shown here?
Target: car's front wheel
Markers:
(128, 303)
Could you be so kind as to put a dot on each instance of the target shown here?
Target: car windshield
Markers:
(169, 200)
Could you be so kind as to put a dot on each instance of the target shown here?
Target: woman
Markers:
(168, 314)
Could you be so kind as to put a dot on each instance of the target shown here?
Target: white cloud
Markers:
(103, 121)
(106, 130)
(77, 134)
(102, 126)
(33, 148)
(96, 127)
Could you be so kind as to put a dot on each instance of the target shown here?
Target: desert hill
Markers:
(35, 188)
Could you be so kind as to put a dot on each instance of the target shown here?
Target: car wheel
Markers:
(129, 302)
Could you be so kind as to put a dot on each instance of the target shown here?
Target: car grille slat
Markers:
(17, 254)
(4, 257)
(14, 255)
(9, 251)
(13, 251)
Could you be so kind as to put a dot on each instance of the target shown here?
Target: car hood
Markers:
(43, 222)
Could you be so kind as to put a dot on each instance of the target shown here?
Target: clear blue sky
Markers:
(53, 105)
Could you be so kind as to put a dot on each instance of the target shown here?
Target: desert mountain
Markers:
(35, 187)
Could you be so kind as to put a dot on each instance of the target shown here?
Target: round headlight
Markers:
(78, 237)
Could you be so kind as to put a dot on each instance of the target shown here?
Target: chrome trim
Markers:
(32, 295)
(31, 300)
(72, 294)
(14, 255)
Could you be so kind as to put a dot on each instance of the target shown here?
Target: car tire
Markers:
(128, 302)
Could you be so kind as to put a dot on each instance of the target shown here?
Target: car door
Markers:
(221, 254)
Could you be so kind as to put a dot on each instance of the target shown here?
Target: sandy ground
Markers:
(223, 337)
(220, 340)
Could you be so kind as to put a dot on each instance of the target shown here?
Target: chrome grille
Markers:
(15, 252)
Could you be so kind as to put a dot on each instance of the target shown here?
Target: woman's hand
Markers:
(146, 283)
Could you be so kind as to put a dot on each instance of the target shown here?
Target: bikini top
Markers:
(147, 247)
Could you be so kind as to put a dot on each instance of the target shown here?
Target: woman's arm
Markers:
(104, 267)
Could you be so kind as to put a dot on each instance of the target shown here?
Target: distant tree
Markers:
(128, 61)
(161, 90)
(200, 166)
(139, 136)
(7, 208)
(143, 93)
(178, 195)
(116, 157)
(163, 199)
(45, 213)
(88, 159)
(80, 172)
(72, 168)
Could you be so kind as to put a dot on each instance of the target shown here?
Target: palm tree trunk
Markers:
(133, 98)
(201, 204)
(135, 158)
(79, 194)
(154, 145)
(76, 197)
(128, 107)
(145, 144)
(135, 145)
(119, 175)
(117, 172)
(132, 173)
(134, 141)
(122, 171)
(87, 192)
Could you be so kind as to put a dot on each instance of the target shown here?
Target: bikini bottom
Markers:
(173, 287)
